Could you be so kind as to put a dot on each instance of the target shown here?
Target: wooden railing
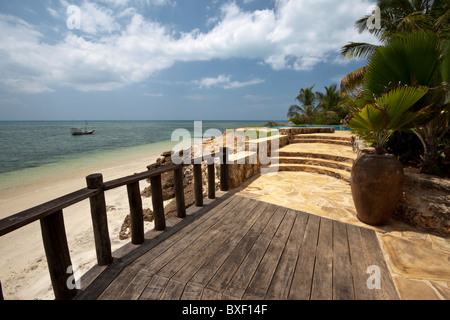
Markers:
(50, 214)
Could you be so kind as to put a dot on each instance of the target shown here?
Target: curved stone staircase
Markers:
(330, 154)
(327, 138)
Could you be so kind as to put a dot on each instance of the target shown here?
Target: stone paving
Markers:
(419, 261)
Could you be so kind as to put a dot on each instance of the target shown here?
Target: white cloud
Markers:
(96, 19)
(115, 3)
(237, 84)
(224, 81)
(53, 12)
(108, 55)
(212, 82)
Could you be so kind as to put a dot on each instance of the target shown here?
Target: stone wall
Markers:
(290, 132)
(245, 164)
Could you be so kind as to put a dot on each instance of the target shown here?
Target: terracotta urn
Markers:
(377, 185)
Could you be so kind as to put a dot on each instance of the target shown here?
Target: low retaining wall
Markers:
(244, 166)
(290, 132)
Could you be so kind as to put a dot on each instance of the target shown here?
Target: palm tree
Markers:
(398, 17)
(417, 59)
(307, 108)
(330, 100)
(334, 106)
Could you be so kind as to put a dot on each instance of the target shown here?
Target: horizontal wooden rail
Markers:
(138, 177)
(28, 216)
(50, 214)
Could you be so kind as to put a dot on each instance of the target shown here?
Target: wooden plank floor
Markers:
(239, 248)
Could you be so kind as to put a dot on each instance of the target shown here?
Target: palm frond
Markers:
(408, 60)
(387, 114)
(399, 100)
(294, 111)
(358, 50)
(352, 80)
(441, 25)
(416, 21)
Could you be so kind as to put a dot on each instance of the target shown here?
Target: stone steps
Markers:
(299, 154)
(318, 152)
(314, 154)
(336, 173)
(316, 162)
(321, 137)
(329, 141)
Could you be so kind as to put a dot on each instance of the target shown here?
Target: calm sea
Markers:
(29, 147)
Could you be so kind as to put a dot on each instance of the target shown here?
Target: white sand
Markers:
(23, 266)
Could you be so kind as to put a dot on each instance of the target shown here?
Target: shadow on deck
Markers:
(239, 248)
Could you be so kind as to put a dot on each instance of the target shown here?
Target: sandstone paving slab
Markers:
(442, 288)
(414, 289)
(416, 258)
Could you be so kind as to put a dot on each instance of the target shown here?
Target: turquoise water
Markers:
(34, 144)
(33, 152)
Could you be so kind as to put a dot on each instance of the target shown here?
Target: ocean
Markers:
(33, 150)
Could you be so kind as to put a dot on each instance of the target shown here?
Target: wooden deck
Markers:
(238, 248)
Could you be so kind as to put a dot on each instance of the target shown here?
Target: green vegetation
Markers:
(388, 113)
(329, 108)
(398, 18)
(415, 55)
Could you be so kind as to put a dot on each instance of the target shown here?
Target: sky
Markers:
(170, 59)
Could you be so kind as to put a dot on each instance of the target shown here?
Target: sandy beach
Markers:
(23, 267)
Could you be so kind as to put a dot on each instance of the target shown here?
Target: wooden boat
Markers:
(81, 131)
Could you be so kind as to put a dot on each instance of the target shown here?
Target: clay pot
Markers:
(377, 185)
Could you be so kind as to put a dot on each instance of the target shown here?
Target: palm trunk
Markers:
(430, 157)
(429, 135)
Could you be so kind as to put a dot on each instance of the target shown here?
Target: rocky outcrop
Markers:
(425, 203)
(125, 229)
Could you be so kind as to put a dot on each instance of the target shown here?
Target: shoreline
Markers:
(23, 267)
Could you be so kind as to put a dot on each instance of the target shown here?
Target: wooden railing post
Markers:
(198, 184)
(136, 213)
(179, 192)
(57, 253)
(224, 180)
(158, 204)
(99, 220)
(211, 181)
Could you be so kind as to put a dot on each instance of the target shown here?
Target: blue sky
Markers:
(170, 59)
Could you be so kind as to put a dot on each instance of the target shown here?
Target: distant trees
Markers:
(326, 108)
